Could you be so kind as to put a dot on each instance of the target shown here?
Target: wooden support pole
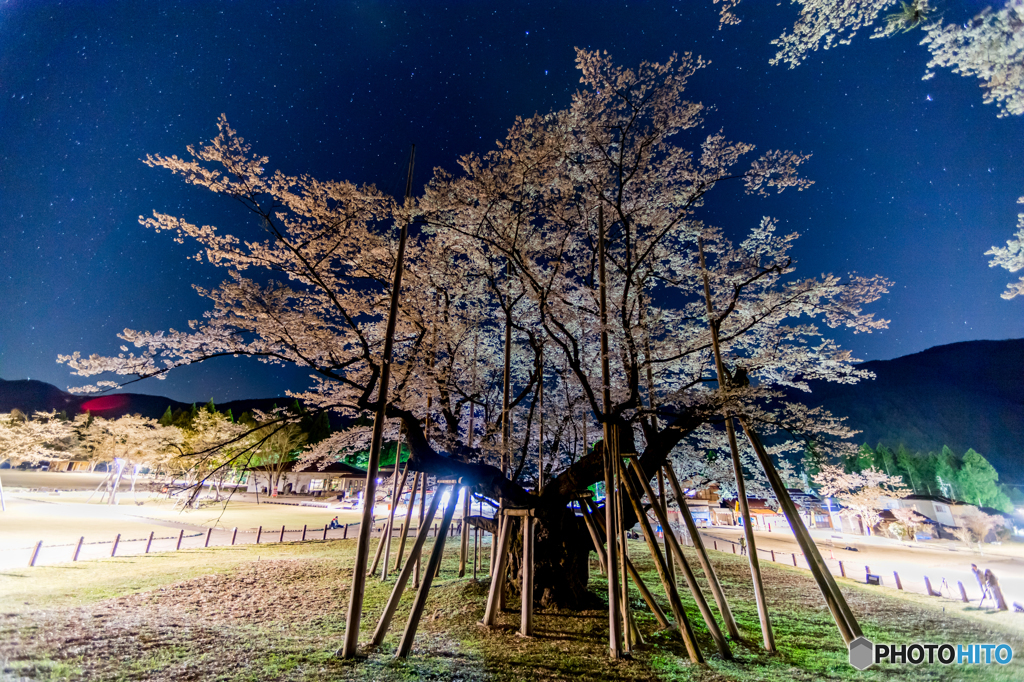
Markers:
(670, 565)
(526, 612)
(748, 530)
(589, 522)
(403, 576)
(691, 579)
(423, 501)
(149, 543)
(497, 575)
(405, 646)
(845, 622)
(476, 550)
(464, 539)
(702, 554)
(593, 527)
(395, 497)
(682, 622)
(611, 523)
(355, 606)
(628, 626)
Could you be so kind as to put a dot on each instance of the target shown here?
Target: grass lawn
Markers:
(277, 612)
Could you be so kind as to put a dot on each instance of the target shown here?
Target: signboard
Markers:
(316, 484)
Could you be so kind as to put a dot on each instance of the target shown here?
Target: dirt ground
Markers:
(283, 619)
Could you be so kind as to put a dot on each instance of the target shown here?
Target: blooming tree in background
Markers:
(864, 494)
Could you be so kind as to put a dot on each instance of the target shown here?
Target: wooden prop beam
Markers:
(702, 556)
(595, 533)
(682, 622)
(384, 547)
(405, 646)
(665, 529)
(767, 633)
(847, 624)
(497, 575)
(526, 613)
(464, 540)
(403, 577)
(691, 579)
(611, 523)
(408, 521)
(355, 605)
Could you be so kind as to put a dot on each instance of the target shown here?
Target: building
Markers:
(335, 479)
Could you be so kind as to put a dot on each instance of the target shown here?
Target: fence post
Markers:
(78, 548)
(963, 593)
(209, 531)
(303, 532)
(234, 534)
(281, 539)
(733, 547)
(181, 534)
(113, 549)
(899, 585)
(794, 558)
(344, 534)
(842, 569)
(259, 532)
(773, 554)
(325, 530)
(35, 553)
(149, 543)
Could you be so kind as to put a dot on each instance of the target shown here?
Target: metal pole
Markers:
(614, 617)
(355, 607)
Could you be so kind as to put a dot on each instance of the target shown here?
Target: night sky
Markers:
(915, 179)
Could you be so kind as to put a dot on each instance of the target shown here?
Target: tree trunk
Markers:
(562, 542)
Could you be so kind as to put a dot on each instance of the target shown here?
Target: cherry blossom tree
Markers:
(863, 494)
(129, 442)
(510, 243)
(1011, 257)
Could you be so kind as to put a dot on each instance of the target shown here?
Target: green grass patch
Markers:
(277, 612)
